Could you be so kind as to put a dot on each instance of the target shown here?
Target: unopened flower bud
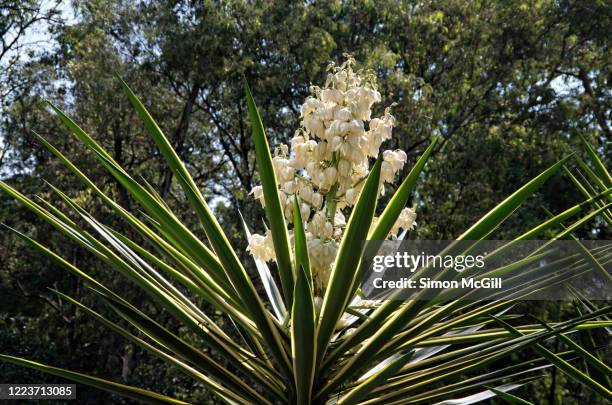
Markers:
(344, 168)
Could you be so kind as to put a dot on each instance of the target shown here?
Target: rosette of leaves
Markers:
(397, 352)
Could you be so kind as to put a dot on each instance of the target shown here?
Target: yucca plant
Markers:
(311, 338)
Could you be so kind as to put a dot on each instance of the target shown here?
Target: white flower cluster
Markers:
(329, 162)
(262, 246)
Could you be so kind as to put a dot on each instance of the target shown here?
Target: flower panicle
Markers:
(327, 162)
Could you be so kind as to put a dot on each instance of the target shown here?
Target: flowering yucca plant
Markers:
(312, 339)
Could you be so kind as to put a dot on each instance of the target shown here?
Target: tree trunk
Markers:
(178, 141)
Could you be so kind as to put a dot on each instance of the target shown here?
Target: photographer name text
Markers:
(426, 282)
